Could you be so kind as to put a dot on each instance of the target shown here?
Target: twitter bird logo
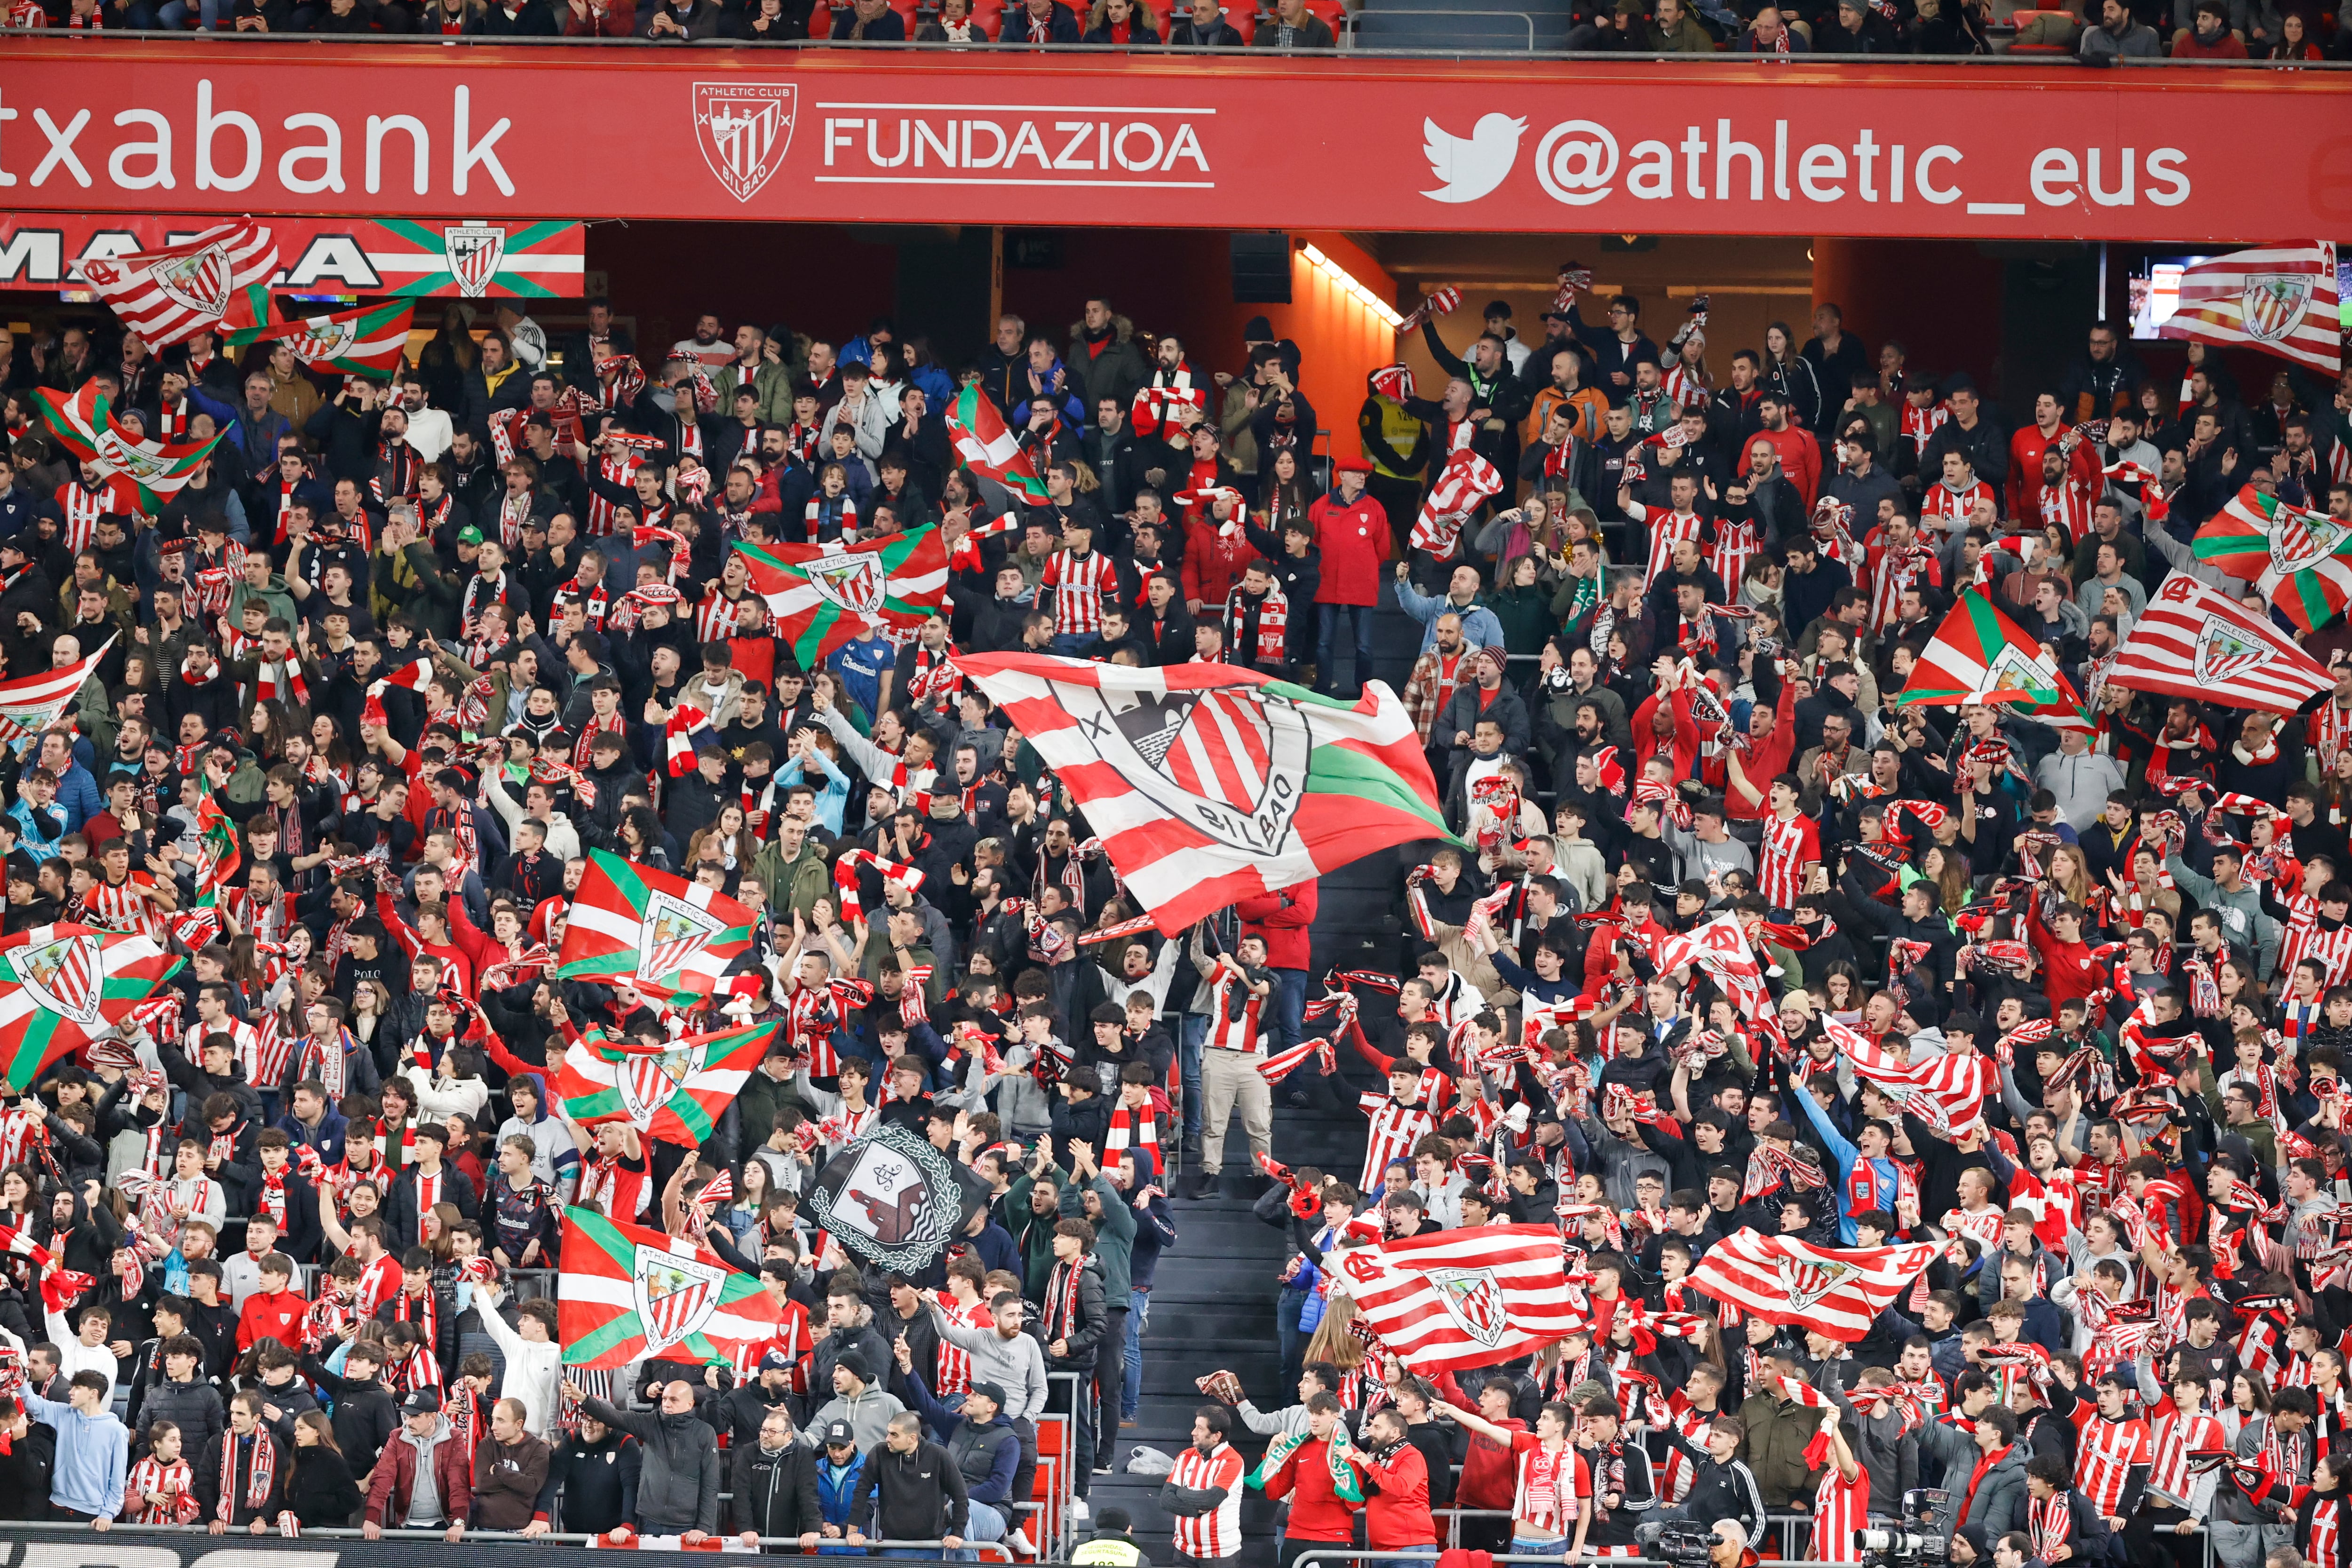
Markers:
(1466, 168)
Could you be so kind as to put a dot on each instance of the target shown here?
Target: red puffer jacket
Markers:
(1282, 919)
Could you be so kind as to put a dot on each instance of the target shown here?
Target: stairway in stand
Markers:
(1213, 1306)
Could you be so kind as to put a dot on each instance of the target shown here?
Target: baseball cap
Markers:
(423, 1402)
(990, 1391)
(775, 1361)
(469, 534)
(838, 1435)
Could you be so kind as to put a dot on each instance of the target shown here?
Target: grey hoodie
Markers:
(1016, 1365)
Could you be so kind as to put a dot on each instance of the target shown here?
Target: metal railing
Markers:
(552, 1537)
(1785, 1525)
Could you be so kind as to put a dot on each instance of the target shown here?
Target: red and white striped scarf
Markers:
(174, 1482)
(594, 726)
(260, 1476)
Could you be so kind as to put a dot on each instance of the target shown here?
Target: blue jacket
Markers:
(78, 793)
(93, 1457)
(836, 1488)
(38, 828)
(328, 1140)
(1479, 627)
(19, 507)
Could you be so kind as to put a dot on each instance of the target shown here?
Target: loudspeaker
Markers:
(1261, 268)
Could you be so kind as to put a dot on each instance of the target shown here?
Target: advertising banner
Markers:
(470, 259)
(1330, 142)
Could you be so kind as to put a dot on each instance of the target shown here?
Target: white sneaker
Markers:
(1079, 1513)
(1019, 1540)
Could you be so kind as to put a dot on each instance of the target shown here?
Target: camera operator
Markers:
(1729, 1551)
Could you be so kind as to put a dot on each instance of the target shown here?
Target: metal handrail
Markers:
(1797, 63)
(1362, 48)
(343, 1533)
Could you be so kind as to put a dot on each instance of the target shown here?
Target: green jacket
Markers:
(773, 382)
(274, 594)
(1034, 1232)
(1777, 1432)
(795, 884)
(419, 583)
(1114, 1236)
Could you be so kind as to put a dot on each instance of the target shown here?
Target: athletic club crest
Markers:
(2015, 670)
(66, 977)
(324, 338)
(1804, 1284)
(198, 283)
(892, 1198)
(2224, 652)
(1473, 1298)
(2302, 539)
(474, 251)
(1231, 763)
(674, 1295)
(743, 129)
(646, 1083)
(673, 933)
(2272, 302)
(132, 462)
(855, 582)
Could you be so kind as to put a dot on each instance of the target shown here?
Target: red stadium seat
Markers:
(1243, 20)
(820, 22)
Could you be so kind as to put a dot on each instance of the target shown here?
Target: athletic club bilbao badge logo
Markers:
(2225, 652)
(66, 977)
(675, 1296)
(1804, 1284)
(473, 252)
(1473, 1298)
(133, 463)
(198, 283)
(648, 1082)
(2015, 670)
(743, 129)
(673, 933)
(1231, 763)
(2272, 302)
(855, 583)
(2302, 539)
(324, 338)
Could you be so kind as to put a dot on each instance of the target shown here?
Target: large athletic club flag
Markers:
(991, 451)
(674, 1092)
(1464, 1297)
(85, 425)
(669, 938)
(1946, 1091)
(2195, 642)
(2281, 300)
(1836, 1290)
(369, 341)
(627, 1292)
(1980, 655)
(2302, 561)
(31, 703)
(62, 986)
(172, 294)
(1209, 783)
(824, 595)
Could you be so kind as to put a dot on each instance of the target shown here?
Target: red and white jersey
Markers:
(1227, 1033)
(174, 1482)
(2326, 1528)
(1736, 544)
(1888, 572)
(1840, 1508)
(2177, 1437)
(379, 1282)
(623, 1192)
(1956, 506)
(1675, 1480)
(1082, 586)
(81, 507)
(2104, 1454)
(2068, 504)
(1218, 1532)
(1396, 1128)
(1788, 848)
(955, 1362)
(1666, 529)
(716, 617)
(1545, 1500)
(244, 1042)
(1985, 1223)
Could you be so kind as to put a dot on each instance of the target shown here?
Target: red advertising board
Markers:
(827, 135)
(432, 257)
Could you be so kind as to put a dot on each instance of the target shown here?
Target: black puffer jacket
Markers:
(774, 1494)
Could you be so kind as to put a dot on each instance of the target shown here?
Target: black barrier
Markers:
(191, 1546)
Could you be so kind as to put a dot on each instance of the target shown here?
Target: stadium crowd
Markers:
(423, 645)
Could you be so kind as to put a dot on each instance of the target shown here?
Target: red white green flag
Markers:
(369, 341)
(1208, 782)
(1980, 655)
(220, 854)
(993, 452)
(669, 938)
(85, 425)
(2302, 561)
(627, 1292)
(31, 703)
(177, 290)
(63, 986)
(674, 1092)
(824, 594)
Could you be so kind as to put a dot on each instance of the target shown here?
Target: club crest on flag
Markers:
(1473, 1298)
(2223, 652)
(673, 933)
(473, 252)
(743, 129)
(199, 283)
(133, 463)
(646, 1083)
(1806, 1283)
(324, 337)
(66, 977)
(857, 583)
(1228, 762)
(672, 1294)
(2304, 538)
(2014, 669)
(2272, 302)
